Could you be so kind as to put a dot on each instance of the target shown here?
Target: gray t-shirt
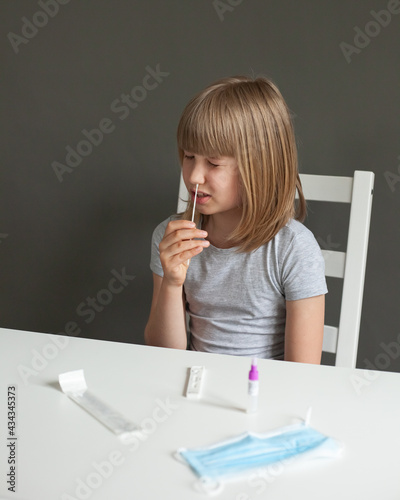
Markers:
(236, 301)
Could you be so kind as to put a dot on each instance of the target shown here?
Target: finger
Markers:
(183, 246)
(181, 251)
(194, 252)
(174, 225)
(181, 235)
(187, 257)
(180, 226)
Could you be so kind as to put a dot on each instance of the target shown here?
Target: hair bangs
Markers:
(207, 127)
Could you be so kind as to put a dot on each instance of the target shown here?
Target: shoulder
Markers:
(294, 229)
(296, 242)
(301, 262)
(294, 234)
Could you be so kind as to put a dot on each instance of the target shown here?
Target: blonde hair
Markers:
(249, 120)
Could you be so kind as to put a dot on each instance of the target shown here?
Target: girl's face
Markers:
(218, 180)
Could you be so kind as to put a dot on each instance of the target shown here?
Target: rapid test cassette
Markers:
(195, 382)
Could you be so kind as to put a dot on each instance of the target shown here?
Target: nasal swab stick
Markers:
(194, 208)
(194, 203)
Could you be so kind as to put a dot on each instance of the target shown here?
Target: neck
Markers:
(220, 226)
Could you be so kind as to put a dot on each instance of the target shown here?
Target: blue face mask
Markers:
(249, 452)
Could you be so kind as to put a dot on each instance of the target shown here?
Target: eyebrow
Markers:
(217, 158)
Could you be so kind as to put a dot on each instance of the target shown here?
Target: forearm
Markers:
(167, 322)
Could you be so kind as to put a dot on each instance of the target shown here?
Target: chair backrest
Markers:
(349, 265)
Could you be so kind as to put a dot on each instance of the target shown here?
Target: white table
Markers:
(61, 448)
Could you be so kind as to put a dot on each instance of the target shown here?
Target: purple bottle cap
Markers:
(253, 373)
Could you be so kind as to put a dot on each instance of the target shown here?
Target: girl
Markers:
(250, 275)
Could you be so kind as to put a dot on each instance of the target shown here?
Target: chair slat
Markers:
(330, 340)
(327, 188)
(334, 263)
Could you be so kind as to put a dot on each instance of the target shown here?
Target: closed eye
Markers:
(191, 157)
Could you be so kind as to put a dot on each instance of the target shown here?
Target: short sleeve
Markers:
(303, 266)
(158, 234)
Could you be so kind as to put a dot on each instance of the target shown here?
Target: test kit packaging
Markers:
(73, 384)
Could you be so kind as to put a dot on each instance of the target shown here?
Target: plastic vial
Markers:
(252, 403)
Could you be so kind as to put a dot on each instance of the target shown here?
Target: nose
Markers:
(198, 172)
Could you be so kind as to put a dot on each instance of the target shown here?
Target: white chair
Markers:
(349, 265)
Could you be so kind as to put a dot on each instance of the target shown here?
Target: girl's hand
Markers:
(177, 247)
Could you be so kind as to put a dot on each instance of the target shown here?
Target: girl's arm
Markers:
(166, 326)
(167, 322)
(304, 329)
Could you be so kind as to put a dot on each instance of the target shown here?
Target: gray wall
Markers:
(64, 237)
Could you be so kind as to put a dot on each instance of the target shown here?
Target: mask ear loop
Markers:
(177, 455)
(209, 486)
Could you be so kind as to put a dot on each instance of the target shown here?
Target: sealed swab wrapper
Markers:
(73, 384)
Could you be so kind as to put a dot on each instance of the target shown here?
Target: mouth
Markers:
(201, 198)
